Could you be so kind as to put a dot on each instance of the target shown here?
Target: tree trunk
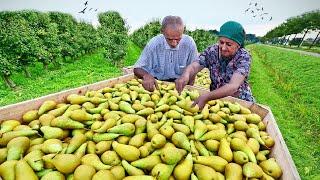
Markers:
(45, 65)
(303, 37)
(315, 40)
(26, 72)
(293, 38)
(8, 81)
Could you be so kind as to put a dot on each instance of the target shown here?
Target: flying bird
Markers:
(247, 10)
(252, 11)
(90, 9)
(255, 4)
(270, 18)
(262, 18)
(261, 8)
(86, 3)
(83, 10)
(254, 16)
(96, 10)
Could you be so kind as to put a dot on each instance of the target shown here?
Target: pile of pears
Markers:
(126, 132)
(203, 78)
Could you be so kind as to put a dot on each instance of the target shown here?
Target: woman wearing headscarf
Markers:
(229, 65)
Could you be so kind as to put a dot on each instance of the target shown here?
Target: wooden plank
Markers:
(279, 151)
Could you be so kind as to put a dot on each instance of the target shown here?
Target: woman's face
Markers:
(227, 47)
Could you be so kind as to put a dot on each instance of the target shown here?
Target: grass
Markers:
(314, 49)
(288, 82)
(85, 70)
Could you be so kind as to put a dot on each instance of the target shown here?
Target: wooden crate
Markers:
(279, 151)
(127, 70)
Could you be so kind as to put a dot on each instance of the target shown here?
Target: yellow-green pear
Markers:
(30, 116)
(103, 174)
(66, 163)
(216, 162)
(225, 150)
(103, 146)
(252, 170)
(47, 160)
(261, 155)
(53, 175)
(162, 171)
(131, 170)
(145, 112)
(141, 125)
(94, 161)
(127, 152)
(253, 118)
(146, 149)
(109, 123)
(34, 159)
(172, 155)
(139, 177)
(77, 99)
(3, 154)
(130, 118)
(7, 170)
(146, 163)
(126, 107)
(184, 169)
(254, 145)
(91, 147)
(204, 172)
(110, 158)
(271, 167)
(193, 177)
(138, 140)
(237, 144)
(182, 128)
(97, 137)
(51, 146)
(6, 137)
(167, 129)
(118, 172)
(76, 142)
(181, 140)
(126, 129)
(8, 125)
(254, 133)
(46, 106)
(24, 171)
(189, 121)
(84, 172)
(51, 132)
(217, 134)
(201, 148)
(81, 151)
(17, 147)
(66, 123)
(212, 145)
(59, 111)
(268, 141)
(193, 149)
(233, 171)
(240, 157)
(81, 115)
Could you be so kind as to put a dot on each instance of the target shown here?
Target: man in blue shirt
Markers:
(166, 55)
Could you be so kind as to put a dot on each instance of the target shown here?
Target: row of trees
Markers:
(29, 37)
(141, 36)
(304, 23)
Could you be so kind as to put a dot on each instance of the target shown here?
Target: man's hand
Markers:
(149, 82)
(202, 100)
(181, 83)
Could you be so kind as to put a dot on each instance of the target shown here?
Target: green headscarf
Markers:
(234, 31)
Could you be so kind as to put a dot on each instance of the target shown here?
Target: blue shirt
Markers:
(164, 62)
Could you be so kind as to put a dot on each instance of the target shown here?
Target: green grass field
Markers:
(285, 81)
(288, 83)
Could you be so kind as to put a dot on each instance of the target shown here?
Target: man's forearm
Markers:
(140, 73)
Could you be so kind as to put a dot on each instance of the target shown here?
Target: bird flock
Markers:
(86, 7)
(256, 10)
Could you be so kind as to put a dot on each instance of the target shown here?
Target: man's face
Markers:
(173, 36)
(228, 47)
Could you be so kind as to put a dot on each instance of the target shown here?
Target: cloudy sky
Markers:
(204, 14)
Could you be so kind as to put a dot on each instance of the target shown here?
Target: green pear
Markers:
(193, 177)
(234, 108)
(252, 170)
(77, 99)
(152, 129)
(126, 129)
(81, 151)
(127, 152)
(177, 108)
(269, 142)
(215, 162)
(139, 177)
(253, 118)
(118, 172)
(241, 126)
(162, 171)
(240, 157)
(66, 123)
(146, 149)
(81, 115)
(261, 155)
(66, 163)
(145, 112)
(130, 118)
(24, 171)
(131, 170)
(138, 106)
(133, 95)
(174, 114)
(76, 142)
(46, 106)
(43, 172)
(167, 129)
(47, 160)
(56, 175)
(254, 145)
(233, 171)
(184, 169)
(126, 107)
(34, 159)
(225, 150)
(91, 147)
(212, 145)
(254, 133)
(110, 158)
(181, 128)
(172, 155)
(94, 161)
(146, 163)
(162, 108)
(6, 137)
(51, 146)
(7, 170)
(193, 149)
(141, 125)
(3, 155)
(201, 148)
(204, 172)
(271, 167)
(103, 146)
(84, 172)
(109, 123)
(237, 144)
(181, 140)
(17, 147)
(8, 125)
(97, 137)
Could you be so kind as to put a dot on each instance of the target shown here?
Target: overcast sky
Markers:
(204, 14)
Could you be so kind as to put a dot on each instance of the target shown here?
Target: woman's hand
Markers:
(202, 100)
